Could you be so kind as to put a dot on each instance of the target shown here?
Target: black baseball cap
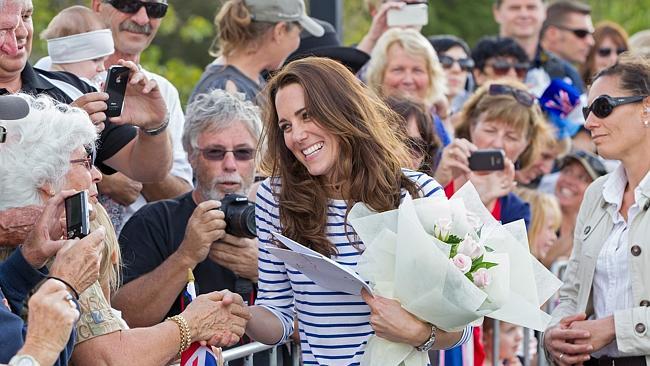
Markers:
(11, 108)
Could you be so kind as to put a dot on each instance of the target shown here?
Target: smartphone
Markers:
(116, 81)
(487, 160)
(77, 215)
(408, 15)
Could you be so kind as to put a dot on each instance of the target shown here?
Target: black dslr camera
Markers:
(240, 215)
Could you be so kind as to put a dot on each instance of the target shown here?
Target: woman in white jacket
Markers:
(604, 313)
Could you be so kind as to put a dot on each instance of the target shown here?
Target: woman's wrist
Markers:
(422, 334)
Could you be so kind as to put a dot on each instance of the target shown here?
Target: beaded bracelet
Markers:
(186, 338)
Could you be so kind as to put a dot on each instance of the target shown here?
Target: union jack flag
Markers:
(196, 355)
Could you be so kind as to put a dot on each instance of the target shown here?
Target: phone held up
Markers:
(116, 81)
(77, 215)
(487, 160)
(409, 15)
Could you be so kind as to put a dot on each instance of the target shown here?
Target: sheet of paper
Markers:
(320, 269)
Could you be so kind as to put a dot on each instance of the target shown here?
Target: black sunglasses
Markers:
(447, 62)
(580, 33)
(243, 154)
(606, 51)
(154, 9)
(604, 105)
(502, 67)
(521, 96)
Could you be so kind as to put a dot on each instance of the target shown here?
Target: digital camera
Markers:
(240, 215)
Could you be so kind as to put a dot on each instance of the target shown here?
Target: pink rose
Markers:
(470, 247)
(462, 262)
(481, 278)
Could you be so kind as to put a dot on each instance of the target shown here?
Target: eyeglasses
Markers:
(604, 105)
(243, 154)
(580, 33)
(86, 162)
(502, 67)
(606, 51)
(154, 9)
(521, 96)
(447, 62)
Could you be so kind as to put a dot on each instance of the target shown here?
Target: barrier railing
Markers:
(247, 351)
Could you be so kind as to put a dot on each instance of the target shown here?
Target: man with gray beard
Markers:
(165, 238)
(134, 24)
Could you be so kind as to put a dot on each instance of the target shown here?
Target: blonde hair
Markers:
(415, 45)
(73, 20)
(109, 272)
(237, 30)
(505, 108)
(541, 206)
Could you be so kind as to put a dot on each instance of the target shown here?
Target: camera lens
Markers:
(240, 216)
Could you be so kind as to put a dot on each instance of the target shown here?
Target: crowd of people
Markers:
(289, 122)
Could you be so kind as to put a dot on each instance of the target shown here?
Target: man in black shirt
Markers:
(165, 238)
(135, 144)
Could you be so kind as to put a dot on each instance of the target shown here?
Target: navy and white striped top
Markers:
(334, 326)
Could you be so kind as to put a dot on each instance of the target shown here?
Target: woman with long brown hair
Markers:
(331, 143)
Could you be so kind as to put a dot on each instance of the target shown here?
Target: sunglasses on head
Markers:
(604, 105)
(580, 33)
(215, 154)
(447, 62)
(521, 96)
(606, 51)
(154, 9)
(502, 67)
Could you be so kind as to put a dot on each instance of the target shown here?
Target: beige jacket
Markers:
(593, 226)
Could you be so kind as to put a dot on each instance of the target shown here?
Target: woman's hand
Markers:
(391, 322)
(492, 185)
(602, 331)
(562, 342)
(454, 161)
(52, 314)
(78, 261)
(218, 317)
(43, 242)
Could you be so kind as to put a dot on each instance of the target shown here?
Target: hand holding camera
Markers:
(206, 225)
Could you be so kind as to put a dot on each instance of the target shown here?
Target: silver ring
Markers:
(561, 355)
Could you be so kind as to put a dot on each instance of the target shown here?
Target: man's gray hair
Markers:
(216, 111)
(38, 149)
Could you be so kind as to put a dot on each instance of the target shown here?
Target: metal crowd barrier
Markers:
(247, 351)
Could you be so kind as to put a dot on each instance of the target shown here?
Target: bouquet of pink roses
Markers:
(449, 263)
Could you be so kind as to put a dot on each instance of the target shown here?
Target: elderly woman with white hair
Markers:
(403, 63)
(52, 150)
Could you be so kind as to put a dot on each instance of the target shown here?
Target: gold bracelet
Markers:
(186, 338)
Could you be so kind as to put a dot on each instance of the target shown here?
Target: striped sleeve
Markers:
(427, 185)
(274, 288)
(467, 335)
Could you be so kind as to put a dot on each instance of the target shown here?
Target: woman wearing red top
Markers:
(504, 116)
